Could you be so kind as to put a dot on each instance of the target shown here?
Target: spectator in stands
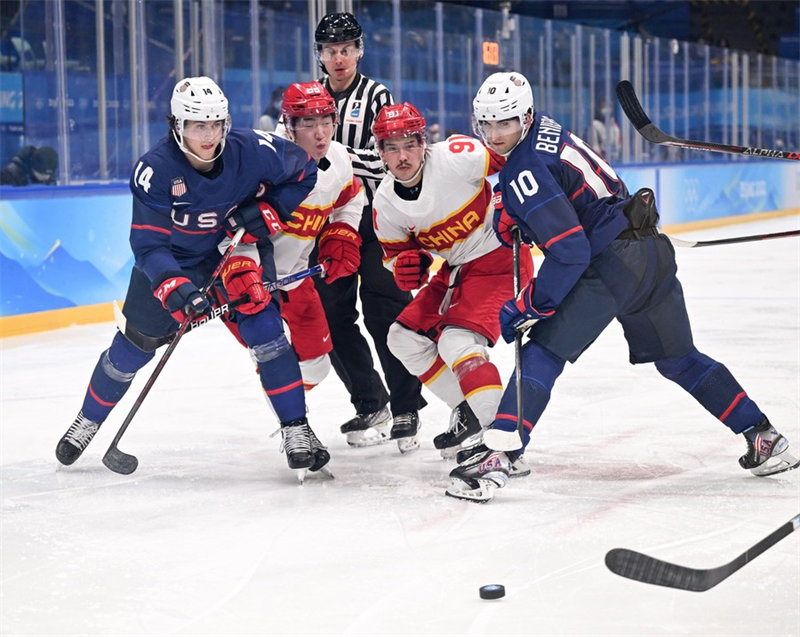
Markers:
(269, 120)
(31, 165)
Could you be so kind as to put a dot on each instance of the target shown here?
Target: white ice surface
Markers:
(212, 535)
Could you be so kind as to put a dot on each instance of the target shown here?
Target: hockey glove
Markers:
(411, 269)
(259, 220)
(519, 313)
(502, 222)
(340, 246)
(242, 277)
(180, 297)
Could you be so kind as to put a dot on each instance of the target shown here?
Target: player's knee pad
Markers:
(458, 344)
(124, 358)
(415, 351)
(261, 328)
(687, 371)
(271, 350)
(540, 366)
(315, 370)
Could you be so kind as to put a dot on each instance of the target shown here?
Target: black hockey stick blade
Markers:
(645, 127)
(650, 570)
(685, 243)
(119, 461)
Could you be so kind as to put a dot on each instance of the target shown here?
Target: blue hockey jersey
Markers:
(566, 199)
(178, 212)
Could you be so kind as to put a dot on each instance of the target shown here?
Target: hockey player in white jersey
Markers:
(309, 117)
(436, 200)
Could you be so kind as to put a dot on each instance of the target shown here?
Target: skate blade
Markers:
(407, 445)
(323, 471)
(461, 490)
(776, 464)
(301, 475)
(369, 437)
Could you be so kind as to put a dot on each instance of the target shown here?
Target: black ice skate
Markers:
(463, 432)
(481, 472)
(77, 438)
(766, 451)
(297, 445)
(366, 430)
(404, 429)
(321, 455)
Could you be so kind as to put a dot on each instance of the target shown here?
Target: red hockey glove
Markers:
(259, 220)
(519, 313)
(502, 221)
(180, 297)
(340, 246)
(242, 277)
(411, 269)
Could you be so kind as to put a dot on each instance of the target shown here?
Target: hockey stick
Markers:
(643, 568)
(682, 243)
(515, 247)
(119, 461)
(634, 111)
(152, 343)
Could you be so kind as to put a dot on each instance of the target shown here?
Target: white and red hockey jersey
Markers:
(452, 216)
(338, 195)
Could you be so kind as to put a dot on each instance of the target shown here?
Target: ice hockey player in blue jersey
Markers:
(195, 187)
(603, 259)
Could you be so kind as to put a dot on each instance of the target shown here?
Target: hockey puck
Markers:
(492, 591)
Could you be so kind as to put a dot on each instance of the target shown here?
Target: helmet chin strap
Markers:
(185, 150)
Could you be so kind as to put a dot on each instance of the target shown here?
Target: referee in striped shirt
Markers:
(340, 45)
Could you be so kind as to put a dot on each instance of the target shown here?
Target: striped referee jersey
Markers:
(358, 106)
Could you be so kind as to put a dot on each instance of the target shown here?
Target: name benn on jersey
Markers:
(458, 226)
(548, 135)
(307, 223)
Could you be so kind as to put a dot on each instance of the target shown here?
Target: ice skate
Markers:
(297, 445)
(366, 430)
(462, 433)
(321, 455)
(405, 428)
(519, 468)
(481, 472)
(767, 451)
(77, 438)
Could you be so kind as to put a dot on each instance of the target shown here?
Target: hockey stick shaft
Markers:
(682, 243)
(515, 247)
(626, 95)
(117, 460)
(650, 570)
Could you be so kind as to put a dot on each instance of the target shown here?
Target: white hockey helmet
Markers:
(198, 99)
(503, 96)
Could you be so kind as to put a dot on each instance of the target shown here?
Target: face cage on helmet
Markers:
(177, 134)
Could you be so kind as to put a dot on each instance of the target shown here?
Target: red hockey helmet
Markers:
(306, 100)
(398, 120)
